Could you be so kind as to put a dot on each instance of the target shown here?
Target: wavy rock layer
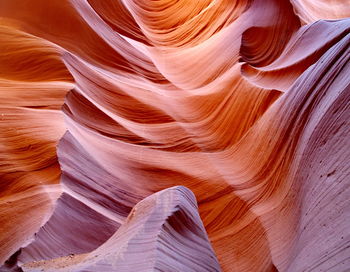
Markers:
(246, 103)
(33, 83)
(163, 232)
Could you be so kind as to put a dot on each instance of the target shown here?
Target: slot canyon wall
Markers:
(163, 135)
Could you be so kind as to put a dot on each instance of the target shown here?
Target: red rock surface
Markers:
(105, 103)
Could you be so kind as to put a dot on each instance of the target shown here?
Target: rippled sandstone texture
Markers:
(105, 103)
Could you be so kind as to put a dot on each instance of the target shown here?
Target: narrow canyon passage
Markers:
(163, 135)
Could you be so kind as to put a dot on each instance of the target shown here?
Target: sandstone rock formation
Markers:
(104, 103)
(162, 233)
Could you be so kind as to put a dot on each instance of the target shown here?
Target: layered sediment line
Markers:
(105, 103)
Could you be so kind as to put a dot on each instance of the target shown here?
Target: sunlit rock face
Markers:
(114, 111)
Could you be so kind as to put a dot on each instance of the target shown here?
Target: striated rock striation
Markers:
(107, 105)
(162, 233)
